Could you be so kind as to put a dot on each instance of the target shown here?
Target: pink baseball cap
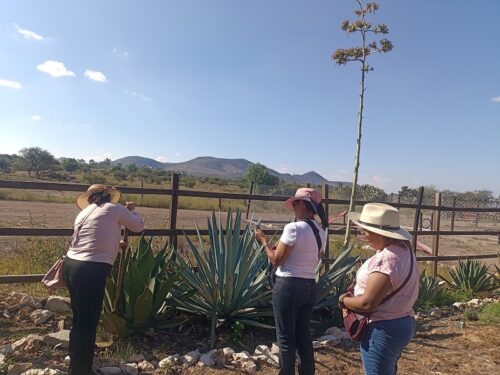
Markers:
(304, 194)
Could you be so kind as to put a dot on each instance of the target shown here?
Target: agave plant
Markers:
(471, 276)
(229, 278)
(334, 281)
(141, 303)
(429, 290)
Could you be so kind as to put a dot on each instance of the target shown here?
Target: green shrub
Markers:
(471, 276)
(490, 313)
(471, 314)
(430, 292)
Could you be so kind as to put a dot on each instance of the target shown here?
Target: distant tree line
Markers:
(40, 163)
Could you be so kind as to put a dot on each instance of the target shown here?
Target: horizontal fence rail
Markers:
(174, 232)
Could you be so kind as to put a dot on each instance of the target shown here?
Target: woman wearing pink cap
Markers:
(294, 293)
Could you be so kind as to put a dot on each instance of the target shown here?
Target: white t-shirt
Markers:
(303, 257)
(99, 237)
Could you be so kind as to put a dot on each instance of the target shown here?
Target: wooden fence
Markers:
(173, 232)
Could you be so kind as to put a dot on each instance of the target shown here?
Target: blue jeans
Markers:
(383, 343)
(293, 301)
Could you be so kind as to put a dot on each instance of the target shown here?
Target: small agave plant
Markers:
(429, 290)
(141, 303)
(472, 276)
(229, 277)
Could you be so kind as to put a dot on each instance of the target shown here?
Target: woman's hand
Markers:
(130, 206)
(344, 313)
(260, 237)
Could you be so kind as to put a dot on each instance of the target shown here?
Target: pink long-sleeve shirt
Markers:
(99, 237)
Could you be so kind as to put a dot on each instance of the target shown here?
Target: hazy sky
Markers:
(173, 80)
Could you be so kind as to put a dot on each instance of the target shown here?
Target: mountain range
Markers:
(234, 169)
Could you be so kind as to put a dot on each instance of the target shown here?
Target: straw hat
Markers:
(82, 200)
(382, 219)
(304, 194)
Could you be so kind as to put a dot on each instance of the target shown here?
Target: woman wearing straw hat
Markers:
(93, 250)
(386, 288)
(294, 293)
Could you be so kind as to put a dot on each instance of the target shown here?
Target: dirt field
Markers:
(54, 215)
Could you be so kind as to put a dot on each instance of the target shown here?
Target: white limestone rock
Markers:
(129, 368)
(331, 340)
(58, 338)
(275, 349)
(31, 301)
(59, 305)
(228, 352)
(18, 368)
(136, 358)
(145, 366)
(169, 361)
(191, 358)
(41, 316)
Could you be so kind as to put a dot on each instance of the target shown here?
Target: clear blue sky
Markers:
(173, 80)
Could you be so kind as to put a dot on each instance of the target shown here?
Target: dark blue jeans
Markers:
(293, 301)
(383, 343)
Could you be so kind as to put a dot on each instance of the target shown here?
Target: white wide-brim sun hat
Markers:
(382, 219)
(82, 200)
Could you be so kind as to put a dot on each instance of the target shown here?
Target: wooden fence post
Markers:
(249, 199)
(174, 200)
(477, 215)
(453, 213)
(327, 245)
(435, 227)
(417, 217)
(142, 194)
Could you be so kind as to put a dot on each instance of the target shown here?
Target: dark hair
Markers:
(99, 198)
(400, 243)
(317, 208)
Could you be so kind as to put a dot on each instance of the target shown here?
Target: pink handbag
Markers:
(54, 278)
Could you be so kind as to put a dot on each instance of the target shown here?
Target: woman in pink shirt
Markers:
(386, 287)
(93, 250)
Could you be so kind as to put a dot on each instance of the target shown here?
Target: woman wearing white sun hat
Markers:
(386, 287)
(93, 250)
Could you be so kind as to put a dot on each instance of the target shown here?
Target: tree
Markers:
(37, 160)
(360, 54)
(259, 174)
(69, 164)
(407, 194)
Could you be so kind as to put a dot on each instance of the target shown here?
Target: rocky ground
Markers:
(34, 339)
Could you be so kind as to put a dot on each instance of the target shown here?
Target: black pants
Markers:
(293, 301)
(86, 283)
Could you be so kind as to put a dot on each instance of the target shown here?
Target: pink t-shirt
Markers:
(393, 261)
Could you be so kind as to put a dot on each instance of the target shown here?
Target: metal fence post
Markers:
(436, 225)
(417, 217)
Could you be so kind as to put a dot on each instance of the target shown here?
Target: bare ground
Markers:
(440, 347)
(23, 214)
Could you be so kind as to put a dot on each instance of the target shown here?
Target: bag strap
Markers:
(404, 282)
(316, 233)
(80, 225)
